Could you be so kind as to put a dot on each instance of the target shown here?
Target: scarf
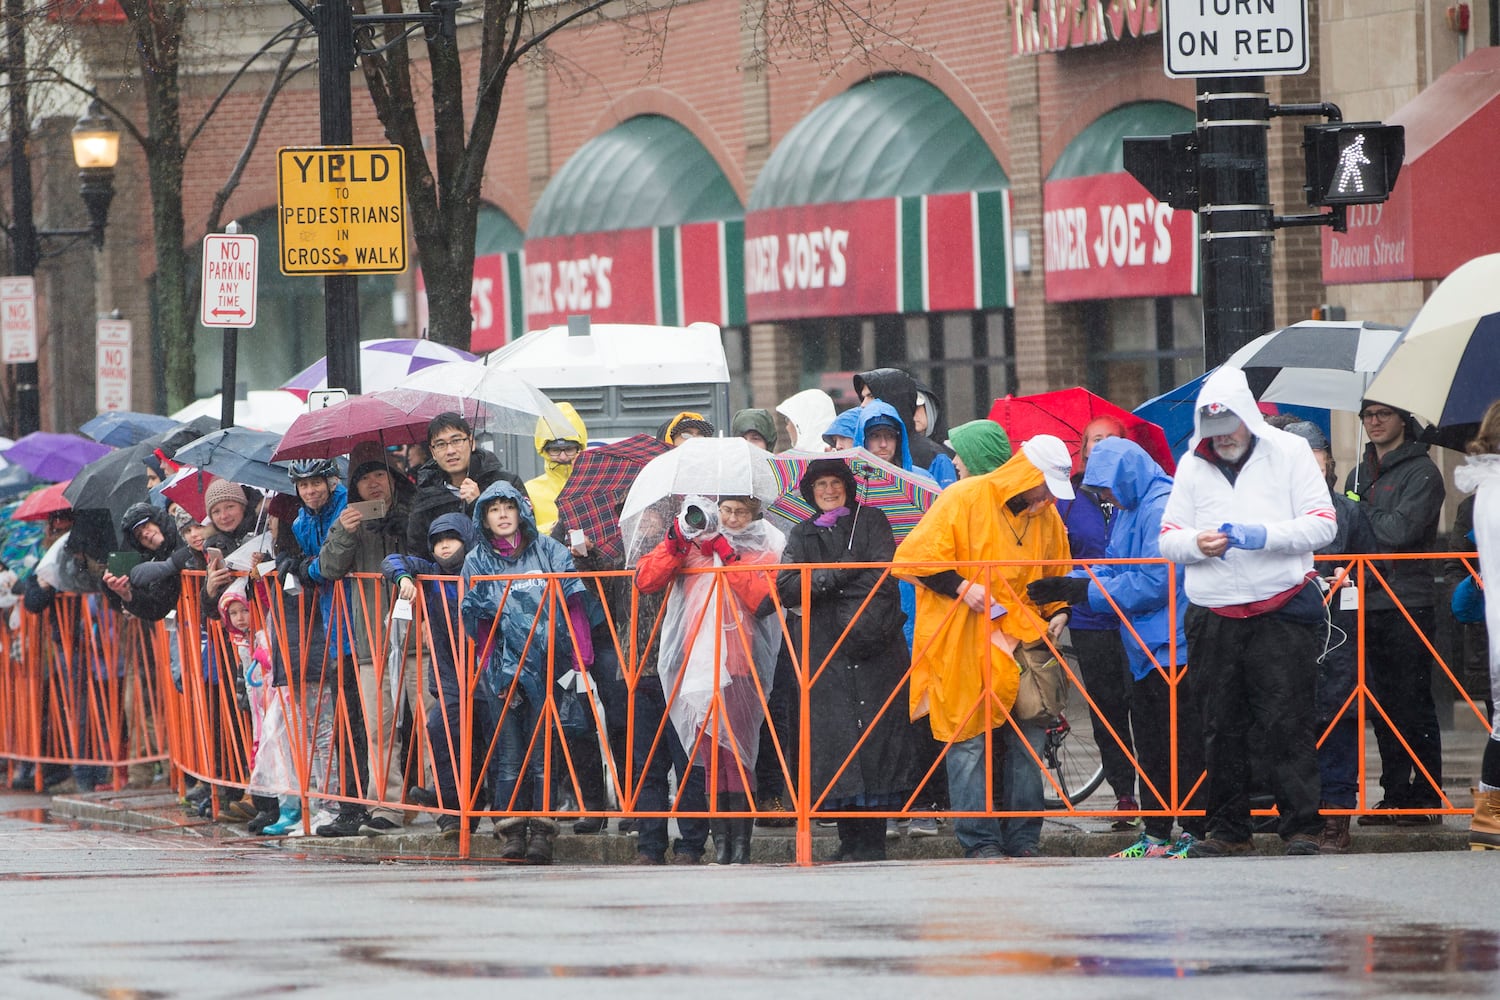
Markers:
(829, 518)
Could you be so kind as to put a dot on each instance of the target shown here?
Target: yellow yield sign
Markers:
(341, 209)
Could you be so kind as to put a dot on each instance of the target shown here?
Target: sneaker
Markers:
(923, 826)
(627, 827)
(1214, 847)
(985, 852)
(345, 824)
(1379, 818)
(1023, 853)
(1126, 803)
(892, 830)
(643, 858)
(590, 824)
(1181, 848)
(448, 826)
(377, 825)
(1302, 845)
(321, 818)
(1418, 819)
(827, 823)
(1146, 846)
(424, 798)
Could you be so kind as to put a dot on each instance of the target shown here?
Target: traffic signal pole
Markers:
(334, 21)
(1236, 221)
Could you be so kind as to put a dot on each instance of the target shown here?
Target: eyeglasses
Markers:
(734, 511)
(449, 444)
(562, 449)
(1377, 414)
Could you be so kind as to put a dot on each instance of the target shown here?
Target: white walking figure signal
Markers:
(1349, 177)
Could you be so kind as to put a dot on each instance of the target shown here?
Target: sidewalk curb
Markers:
(154, 811)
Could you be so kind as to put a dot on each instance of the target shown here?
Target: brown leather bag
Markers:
(1043, 691)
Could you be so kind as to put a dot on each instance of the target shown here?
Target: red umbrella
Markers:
(187, 488)
(44, 502)
(1066, 412)
(373, 416)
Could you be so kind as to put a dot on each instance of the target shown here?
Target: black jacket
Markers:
(434, 498)
(156, 582)
(865, 668)
(896, 387)
(1402, 496)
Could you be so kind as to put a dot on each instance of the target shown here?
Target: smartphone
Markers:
(996, 610)
(370, 510)
(214, 557)
(121, 563)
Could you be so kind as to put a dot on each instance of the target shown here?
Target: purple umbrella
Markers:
(382, 364)
(55, 457)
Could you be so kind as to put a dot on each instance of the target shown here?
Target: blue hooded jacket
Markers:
(1088, 525)
(879, 409)
(311, 530)
(1140, 590)
(844, 425)
(525, 608)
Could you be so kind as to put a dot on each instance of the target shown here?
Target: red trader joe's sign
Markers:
(609, 276)
(933, 253)
(1107, 238)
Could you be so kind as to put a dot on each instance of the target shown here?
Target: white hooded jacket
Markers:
(1279, 486)
(810, 412)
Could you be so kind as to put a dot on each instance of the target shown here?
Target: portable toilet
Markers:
(622, 378)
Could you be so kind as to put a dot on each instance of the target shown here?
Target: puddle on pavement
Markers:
(1435, 955)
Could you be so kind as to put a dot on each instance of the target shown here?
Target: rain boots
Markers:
(1484, 829)
(512, 833)
(539, 833)
(732, 835)
(290, 816)
(1334, 838)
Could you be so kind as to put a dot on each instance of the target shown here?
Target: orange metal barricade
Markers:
(83, 690)
(376, 707)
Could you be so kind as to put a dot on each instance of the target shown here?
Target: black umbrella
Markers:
(118, 480)
(240, 455)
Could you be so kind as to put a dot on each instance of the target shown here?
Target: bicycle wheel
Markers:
(1072, 757)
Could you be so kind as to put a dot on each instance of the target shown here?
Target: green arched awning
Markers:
(496, 233)
(646, 171)
(888, 137)
(1099, 149)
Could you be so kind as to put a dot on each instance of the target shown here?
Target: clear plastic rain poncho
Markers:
(715, 654)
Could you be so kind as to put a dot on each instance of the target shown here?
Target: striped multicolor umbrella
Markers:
(903, 496)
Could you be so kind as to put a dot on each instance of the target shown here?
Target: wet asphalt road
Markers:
(97, 913)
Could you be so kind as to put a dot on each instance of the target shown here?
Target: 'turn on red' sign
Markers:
(1107, 238)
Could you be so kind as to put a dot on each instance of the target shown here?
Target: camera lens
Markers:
(695, 517)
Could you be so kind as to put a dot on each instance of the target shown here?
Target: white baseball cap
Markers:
(1049, 454)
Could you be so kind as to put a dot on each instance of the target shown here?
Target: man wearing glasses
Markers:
(453, 478)
(1400, 490)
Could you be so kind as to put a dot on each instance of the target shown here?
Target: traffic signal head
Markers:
(1352, 163)
(1166, 166)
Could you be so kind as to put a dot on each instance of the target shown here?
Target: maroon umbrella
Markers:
(375, 416)
(590, 500)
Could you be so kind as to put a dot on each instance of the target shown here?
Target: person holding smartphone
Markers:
(371, 527)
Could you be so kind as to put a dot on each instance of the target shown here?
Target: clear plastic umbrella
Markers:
(706, 467)
(498, 401)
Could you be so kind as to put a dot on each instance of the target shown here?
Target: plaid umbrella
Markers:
(600, 479)
(1066, 412)
(903, 496)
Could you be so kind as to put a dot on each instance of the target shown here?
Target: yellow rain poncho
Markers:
(954, 661)
(543, 490)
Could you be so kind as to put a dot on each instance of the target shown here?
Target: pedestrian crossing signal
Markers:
(1352, 163)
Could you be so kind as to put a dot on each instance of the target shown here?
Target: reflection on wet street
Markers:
(102, 913)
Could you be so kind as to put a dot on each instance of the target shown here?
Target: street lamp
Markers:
(96, 150)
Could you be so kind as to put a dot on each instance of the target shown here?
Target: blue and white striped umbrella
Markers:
(1312, 363)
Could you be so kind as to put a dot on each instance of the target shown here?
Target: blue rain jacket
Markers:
(519, 604)
(311, 530)
(1140, 590)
